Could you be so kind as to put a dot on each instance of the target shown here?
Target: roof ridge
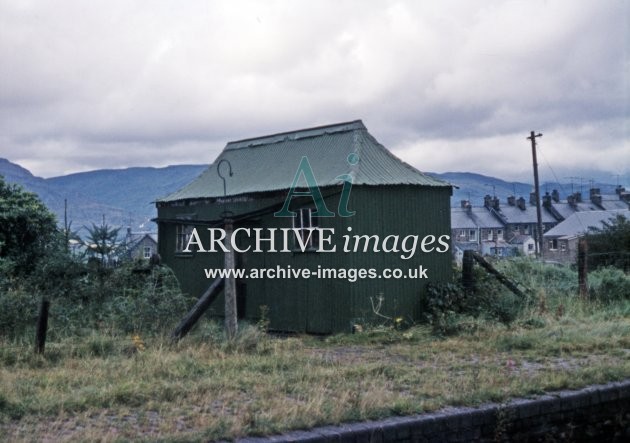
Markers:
(297, 134)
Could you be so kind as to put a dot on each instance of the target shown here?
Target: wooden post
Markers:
(582, 267)
(468, 278)
(539, 228)
(502, 278)
(231, 322)
(42, 326)
(197, 311)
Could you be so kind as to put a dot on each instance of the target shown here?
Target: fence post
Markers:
(231, 322)
(582, 266)
(42, 326)
(468, 278)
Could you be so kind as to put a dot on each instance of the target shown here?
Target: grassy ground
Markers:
(108, 388)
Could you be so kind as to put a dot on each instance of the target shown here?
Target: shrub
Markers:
(18, 313)
(609, 284)
(141, 300)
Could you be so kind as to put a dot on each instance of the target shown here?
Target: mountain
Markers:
(125, 196)
(133, 190)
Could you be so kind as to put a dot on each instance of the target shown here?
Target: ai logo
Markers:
(305, 170)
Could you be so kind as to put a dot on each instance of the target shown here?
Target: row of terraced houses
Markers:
(509, 228)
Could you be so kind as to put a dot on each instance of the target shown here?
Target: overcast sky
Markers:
(447, 86)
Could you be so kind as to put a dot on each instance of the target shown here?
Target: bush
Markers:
(18, 313)
(450, 309)
(151, 303)
(609, 284)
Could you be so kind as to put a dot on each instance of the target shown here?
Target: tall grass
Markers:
(107, 384)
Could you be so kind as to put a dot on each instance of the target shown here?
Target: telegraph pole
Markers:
(539, 240)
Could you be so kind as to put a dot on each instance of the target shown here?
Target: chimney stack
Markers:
(546, 200)
(511, 200)
(532, 198)
(495, 204)
(555, 196)
(521, 203)
(487, 201)
(594, 192)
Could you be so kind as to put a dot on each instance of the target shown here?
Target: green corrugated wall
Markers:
(324, 305)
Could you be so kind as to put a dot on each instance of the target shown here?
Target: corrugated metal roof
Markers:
(579, 222)
(270, 163)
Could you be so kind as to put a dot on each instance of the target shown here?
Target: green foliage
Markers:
(138, 300)
(610, 245)
(27, 229)
(18, 313)
(102, 242)
(149, 303)
(450, 309)
(534, 275)
(549, 289)
(609, 284)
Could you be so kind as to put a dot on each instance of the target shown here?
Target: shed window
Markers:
(500, 234)
(553, 244)
(304, 222)
(183, 233)
(563, 246)
(147, 252)
(489, 234)
(472, 235)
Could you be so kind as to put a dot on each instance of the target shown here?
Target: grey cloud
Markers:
(91, 84)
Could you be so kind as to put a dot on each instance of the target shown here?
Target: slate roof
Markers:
(460, 219)
(270, 163)
(475, 217)
(564, 210)
(485, 218)
(612, 202)
(132, 239)
(515, 215)
(579, 222)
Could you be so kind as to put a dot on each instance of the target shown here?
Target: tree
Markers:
(610, 245)
(102, 242)
(28, 230)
